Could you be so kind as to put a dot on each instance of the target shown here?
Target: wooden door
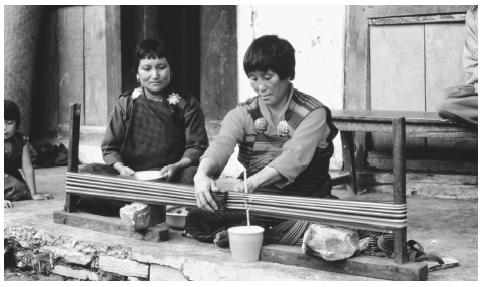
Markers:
(401, 58)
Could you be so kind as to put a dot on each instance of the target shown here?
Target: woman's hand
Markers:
(250, 184)
(41, 196)
(122, 169)
(7, 204)
(203, 185)
(169, 171)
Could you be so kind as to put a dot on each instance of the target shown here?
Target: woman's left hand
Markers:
(169, 171)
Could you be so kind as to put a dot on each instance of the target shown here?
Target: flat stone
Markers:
(70, 255)
(165, 273)
(123, 267)
(80, 274)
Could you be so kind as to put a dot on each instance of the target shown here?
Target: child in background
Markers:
(17, 156)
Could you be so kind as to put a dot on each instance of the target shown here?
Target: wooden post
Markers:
(399, 185)
(348, 147)
(73, 155)
(21, 30)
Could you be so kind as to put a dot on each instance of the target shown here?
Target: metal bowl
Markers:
(176, 218)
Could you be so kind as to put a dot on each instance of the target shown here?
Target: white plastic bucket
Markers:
(245, 242)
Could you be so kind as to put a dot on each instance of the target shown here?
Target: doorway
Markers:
(178, 26)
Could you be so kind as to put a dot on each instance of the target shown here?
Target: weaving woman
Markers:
(154, 126)
(285, 144)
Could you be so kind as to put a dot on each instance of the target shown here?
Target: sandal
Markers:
(416, 254)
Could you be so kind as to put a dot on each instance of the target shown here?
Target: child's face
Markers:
(9, 129)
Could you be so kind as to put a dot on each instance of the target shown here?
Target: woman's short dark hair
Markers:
(270, 53)
(151, 49)
(11, 112)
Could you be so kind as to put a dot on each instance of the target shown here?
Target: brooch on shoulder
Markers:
(137, 93)
(173, 99)
(282, 129)
(261, 125)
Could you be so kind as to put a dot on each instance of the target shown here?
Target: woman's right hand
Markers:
(122, 169)
(203, 185)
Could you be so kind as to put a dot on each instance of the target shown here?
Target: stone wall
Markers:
(39, 252)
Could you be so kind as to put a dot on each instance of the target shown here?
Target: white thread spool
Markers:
(246, 191)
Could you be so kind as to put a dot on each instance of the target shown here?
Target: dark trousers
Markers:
(460, 105)
(15, 189)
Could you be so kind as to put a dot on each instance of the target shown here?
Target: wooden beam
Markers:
(73, 153)
(70, 47)
(447, 18)
(21, 27)
(102, 62)
(218, 61)
(369, 266)
(349, 162)
(356, 71)
(112, 225)
(375, 11)
(399, 186)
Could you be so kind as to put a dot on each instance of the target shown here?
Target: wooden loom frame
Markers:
(397, 269)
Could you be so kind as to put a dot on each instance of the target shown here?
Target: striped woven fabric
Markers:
(381, 217)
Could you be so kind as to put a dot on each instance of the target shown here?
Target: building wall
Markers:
(317, 34)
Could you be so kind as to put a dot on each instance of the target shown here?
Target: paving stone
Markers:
(124, 267)
(70, 255)
(165, 273)
(80, 274)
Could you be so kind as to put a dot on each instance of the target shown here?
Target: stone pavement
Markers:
(447, 227)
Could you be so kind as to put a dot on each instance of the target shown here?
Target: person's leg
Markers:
(14, 189)
(206, 226)
(460, 105)
(99, 168)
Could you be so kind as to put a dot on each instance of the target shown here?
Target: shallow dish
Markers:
(148, 175)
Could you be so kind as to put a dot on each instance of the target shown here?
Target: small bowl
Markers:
(176, 218)
(176, 221)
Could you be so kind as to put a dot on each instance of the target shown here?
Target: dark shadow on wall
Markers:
(178, 26)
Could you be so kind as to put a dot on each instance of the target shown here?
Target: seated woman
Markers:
(285, 144)
(154, 126)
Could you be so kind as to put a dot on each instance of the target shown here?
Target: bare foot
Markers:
(221, 239)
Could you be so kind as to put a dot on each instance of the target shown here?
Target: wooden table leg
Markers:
(348, 147)
(71, 200)
(399, 185)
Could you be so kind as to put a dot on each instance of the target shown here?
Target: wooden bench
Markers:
(417, 124)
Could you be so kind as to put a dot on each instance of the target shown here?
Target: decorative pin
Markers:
(137, 92)
(282, 129)
(173, 99)
(261, 125)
